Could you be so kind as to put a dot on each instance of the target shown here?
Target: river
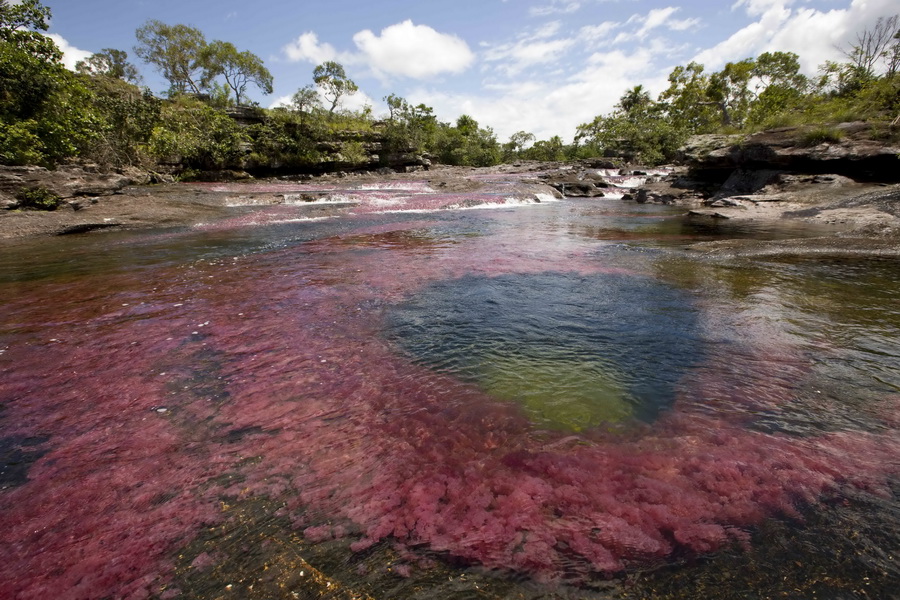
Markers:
(497, 399)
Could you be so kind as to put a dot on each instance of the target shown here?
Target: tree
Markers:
(686, 100)
(730, 90)
(45, 111)
(779, 85)
(517, 143)
(546, 150)
(110, 63)
(238, 68)
(334, 83)
(467, 144)
(21, 25)
(872, 46)
(638, 129)
(893, 56)
(396, 105)
(195, 134)
(177, 52)
(305, 99)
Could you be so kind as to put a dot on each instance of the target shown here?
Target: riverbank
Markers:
(864, 216)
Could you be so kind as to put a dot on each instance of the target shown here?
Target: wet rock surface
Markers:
(721, 179)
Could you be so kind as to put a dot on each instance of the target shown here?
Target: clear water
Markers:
(536, 401)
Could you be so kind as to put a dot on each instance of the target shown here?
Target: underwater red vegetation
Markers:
(163, 396)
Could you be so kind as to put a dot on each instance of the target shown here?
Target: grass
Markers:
(820, 135)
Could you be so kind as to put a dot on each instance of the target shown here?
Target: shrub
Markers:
(820, 135)
(38, 198)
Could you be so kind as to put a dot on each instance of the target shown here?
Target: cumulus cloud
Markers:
(71, 54)
(307, 47)
(415, 51)
(813, 34)
(548, 107)
(404, 49)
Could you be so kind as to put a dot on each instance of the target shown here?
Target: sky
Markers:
(540, 66)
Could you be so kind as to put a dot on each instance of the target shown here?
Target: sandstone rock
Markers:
(67, 181)
(862, 151)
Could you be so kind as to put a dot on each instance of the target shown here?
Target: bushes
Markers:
(193, 134)
(38, 198)
(128, 115)
(820, 135)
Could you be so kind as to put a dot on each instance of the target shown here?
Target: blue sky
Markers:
(542, 66)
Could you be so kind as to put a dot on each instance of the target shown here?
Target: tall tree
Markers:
(238, 68)
(872, 45)
(779, 85)
(21, 25)
(45, 112)
(730, 90)
(111, 63)
(177, 52)
(334, 83)
(29, 61)
(638, 129)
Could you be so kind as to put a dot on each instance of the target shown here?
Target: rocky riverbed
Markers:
(851, 183)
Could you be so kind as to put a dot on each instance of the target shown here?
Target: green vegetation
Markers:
(820, 135)
(751, 95)
(38, 198)
(49, 114)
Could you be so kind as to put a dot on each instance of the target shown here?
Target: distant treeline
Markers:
(101, 113)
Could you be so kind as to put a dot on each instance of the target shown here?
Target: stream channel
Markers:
(423, 395)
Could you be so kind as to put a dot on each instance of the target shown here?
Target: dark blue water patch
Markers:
(576, 351)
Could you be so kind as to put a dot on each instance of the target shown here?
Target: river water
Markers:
(416, 394)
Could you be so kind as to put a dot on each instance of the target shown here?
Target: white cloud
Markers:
(307, 47)
(555, 7)
(415, 51)
(655, 19)
(404, 49)
(594, 35)
(529, 50)
(814, 35)
(547, 108)
(71, 54)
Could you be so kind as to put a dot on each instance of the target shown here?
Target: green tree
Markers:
(109, 62)
(686, 100)
(177, 52)
(304, 101)
(239, 69)
(45, 111)
(334, 83)
(192, 133)
(638, 129)
(396, 105)
(779, 85)
(467, 144)
(517, 144)
(127, 116)
(546, 150)
(729, 89)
